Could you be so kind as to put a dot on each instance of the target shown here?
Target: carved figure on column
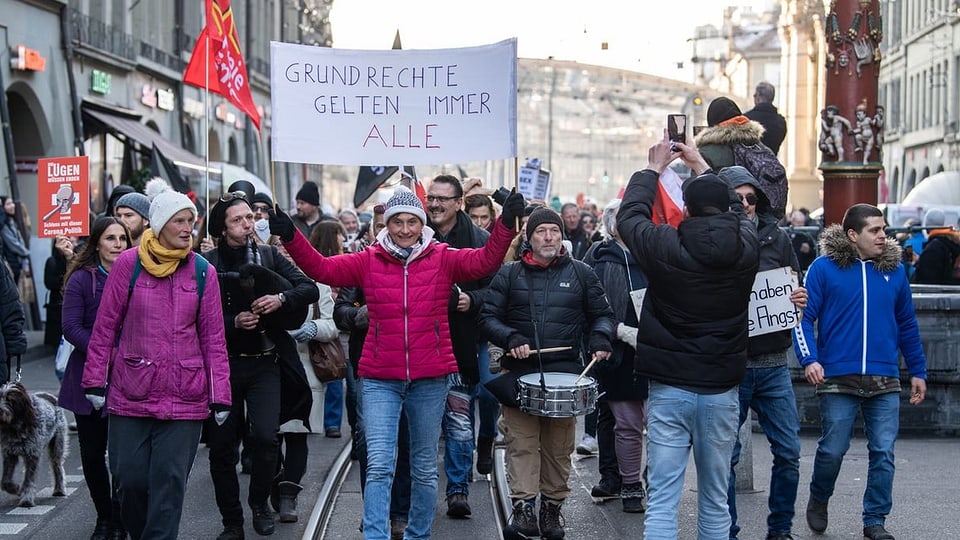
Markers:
(835, 126)
(878, 121)
(863, 133)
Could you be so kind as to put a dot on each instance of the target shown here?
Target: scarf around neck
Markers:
(156, 259)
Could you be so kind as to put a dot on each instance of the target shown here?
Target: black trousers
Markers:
(92, 436)
(255, 388)
(150, 460)
(606, 442)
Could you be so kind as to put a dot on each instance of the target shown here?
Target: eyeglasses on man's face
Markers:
(261, 208)
(440, 199)
(749, 199)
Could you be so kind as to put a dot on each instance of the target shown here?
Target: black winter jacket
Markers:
(619, 274)
(464, 334)
(774, 125)
(776, 251)
(693, 324)
(345, 308)
(569, 305)
(935, 266)
(12, 339)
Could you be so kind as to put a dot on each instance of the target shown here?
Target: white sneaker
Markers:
(588, 445)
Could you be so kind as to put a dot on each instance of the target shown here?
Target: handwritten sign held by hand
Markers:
(770, 307)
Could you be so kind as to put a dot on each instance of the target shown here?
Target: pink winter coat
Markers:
(408, 337)
(171, 359)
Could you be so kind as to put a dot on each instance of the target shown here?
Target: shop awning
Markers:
(131, 128)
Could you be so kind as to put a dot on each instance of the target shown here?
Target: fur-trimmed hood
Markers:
(835, 245)
(748, 133)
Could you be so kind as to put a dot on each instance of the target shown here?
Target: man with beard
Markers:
(133, 210)
(547, 299)
(308, 208)
(455, 228)
(267, 380)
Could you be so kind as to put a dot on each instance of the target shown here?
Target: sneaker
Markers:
(588, 445)
(458, 506)
(633, 498)
(606, 490)
(816, 515)
(397, 528)
(779, 536)
(876, 532)
(231, 532)
(523, 522)
(551, 520)
(263, 521)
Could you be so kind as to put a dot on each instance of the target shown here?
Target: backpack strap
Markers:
(200, 267)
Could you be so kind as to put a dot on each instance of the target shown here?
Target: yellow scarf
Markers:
(156, 259)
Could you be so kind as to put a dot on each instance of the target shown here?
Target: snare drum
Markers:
(563, 397)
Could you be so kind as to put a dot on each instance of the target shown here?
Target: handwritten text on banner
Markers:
(770, 307)
(403, 107)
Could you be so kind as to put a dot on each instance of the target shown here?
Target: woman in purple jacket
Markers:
(84, 280)
(158, 360)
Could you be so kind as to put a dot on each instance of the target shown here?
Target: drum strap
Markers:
(536, 332)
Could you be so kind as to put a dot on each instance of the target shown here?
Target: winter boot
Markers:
(484, 455)
(288, 501)
(523, 521)
(551, 520)
(606, 490)
(632, 496)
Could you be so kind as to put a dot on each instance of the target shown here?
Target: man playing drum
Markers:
(545, 301)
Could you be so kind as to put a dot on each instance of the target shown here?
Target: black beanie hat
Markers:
(309, 193)
(721, 109)
(706, 195)
(540, 216)
(262, 198)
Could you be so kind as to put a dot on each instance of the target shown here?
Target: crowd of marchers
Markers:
(471, 316)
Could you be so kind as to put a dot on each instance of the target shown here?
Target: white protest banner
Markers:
(527, 181)
(770, 307)
(401, 107)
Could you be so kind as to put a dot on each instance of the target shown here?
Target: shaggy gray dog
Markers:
(30, 424)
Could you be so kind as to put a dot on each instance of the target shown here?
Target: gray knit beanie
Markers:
(403, 201)
(137, 202)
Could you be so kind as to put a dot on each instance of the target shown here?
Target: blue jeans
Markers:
(458, 435)
(423, 401)
(332, 404)
(769, 391)
(678, 421)
(881, 419)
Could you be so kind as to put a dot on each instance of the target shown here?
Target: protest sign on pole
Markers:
(63, 196)
(770, 307)
(395, 107)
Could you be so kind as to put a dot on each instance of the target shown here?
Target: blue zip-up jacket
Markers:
(863, 311)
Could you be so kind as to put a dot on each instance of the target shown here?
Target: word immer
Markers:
(463, 104)
(375, 76)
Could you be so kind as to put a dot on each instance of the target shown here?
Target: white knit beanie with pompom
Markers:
(164, 203)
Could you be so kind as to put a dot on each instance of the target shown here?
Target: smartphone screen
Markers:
(677, 128)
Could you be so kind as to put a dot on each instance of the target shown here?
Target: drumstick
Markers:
(547, 350)
(586, 369)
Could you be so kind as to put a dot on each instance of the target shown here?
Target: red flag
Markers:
(415, 185)
(668, 203)
(227, 70)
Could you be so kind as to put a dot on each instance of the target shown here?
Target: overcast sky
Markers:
(645, 36)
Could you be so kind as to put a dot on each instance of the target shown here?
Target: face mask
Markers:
(262, 228)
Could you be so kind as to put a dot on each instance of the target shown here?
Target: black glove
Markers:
(513, 209)
(281, 224)
(516, 340)
(599, 342)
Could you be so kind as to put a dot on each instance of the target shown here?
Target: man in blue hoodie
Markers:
(860, 300)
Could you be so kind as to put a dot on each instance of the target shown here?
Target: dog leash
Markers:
(19, 369)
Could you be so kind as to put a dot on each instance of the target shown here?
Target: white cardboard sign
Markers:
(770, 307)
(401, 107)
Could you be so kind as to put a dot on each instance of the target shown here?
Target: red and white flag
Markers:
(668, 203)
(219, 44)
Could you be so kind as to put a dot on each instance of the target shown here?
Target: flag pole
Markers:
(206, 130)
(516, 186)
